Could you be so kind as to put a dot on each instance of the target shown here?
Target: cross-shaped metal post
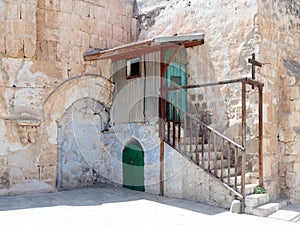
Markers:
(254, 64)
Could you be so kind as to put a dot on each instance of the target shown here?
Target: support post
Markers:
(243, 144)
(161, 124)
(260, 141)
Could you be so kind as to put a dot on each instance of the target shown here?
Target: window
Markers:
(133, 68)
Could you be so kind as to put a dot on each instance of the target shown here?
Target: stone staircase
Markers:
(221, 157)
(260, 204)
(255, 204)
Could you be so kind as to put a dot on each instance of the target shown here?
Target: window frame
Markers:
(129, 63)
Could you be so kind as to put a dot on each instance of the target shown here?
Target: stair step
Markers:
(254, 201)
(225, 163)
(194, 140)
(270, 207)
(249, 188)
(248, 179)
(212, 155)
(225, 172)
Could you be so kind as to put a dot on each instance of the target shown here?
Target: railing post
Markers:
(260, 141)
(243, 143)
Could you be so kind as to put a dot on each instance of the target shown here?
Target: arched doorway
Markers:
(133, 166)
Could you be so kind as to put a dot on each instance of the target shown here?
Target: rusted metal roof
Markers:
(145, 47)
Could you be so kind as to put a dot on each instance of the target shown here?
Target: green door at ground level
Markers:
(133, 167)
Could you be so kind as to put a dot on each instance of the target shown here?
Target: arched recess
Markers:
(133, 166)
(81, 153)
(95, 88)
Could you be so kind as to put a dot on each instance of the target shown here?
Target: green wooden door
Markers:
(133, 167)
(176, 76)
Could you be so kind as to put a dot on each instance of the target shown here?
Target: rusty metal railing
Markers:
(217, 154)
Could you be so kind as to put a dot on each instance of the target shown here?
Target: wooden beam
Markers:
(193, 43)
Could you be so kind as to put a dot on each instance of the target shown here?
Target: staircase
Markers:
(208, 149)
(219, 156)
(260, 205)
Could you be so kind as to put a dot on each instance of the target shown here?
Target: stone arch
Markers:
(81, 152)
(57, 103)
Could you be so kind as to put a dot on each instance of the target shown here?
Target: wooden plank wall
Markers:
(136, 100)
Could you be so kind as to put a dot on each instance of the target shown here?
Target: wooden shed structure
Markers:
(140, 69)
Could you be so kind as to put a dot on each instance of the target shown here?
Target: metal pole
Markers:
(260, 141)
(161, 124)
(243, 143)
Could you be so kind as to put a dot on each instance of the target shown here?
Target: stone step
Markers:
(249, 188)
(254, 201)
(271, 207)
(212, 155)
(219, 163)
(225, 172)
(249, 179)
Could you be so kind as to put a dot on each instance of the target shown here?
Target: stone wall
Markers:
(233, 30)
(147, 136)
(229, 41)
(279, 47)
(41, 75)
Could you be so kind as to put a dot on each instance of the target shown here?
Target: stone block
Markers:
(289, 81)
(104, 30)
(76, 55)
(271, 113)
(2, 44)
(49, 4)
(47, 158)
(66, 6)
(117, 33)
(81, 8)
(256, 200)
(29, 47)
(65, 21)
(75, 22)
(51, 19)
(13, 10)
(14, 46)
(295, 105)
(88, 25)
(291, 93)
(94, 41)
(84, 40)
(28, 12)
(48, 172)
(235, 206)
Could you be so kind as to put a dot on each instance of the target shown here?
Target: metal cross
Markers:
(254, 64)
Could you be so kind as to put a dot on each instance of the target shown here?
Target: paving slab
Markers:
(289, 213)
(113, 206)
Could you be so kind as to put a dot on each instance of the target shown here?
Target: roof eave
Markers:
(145, 47)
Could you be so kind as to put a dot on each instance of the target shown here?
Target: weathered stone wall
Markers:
(229, 41)
(280, 42)
(233, 30)
(183, 179)
(147, 135)
(41, 67)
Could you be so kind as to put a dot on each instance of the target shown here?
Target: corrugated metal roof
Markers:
(144, 47)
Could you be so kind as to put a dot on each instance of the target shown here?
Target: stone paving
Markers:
(110, 205)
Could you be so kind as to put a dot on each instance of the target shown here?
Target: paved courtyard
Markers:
(111, 206)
